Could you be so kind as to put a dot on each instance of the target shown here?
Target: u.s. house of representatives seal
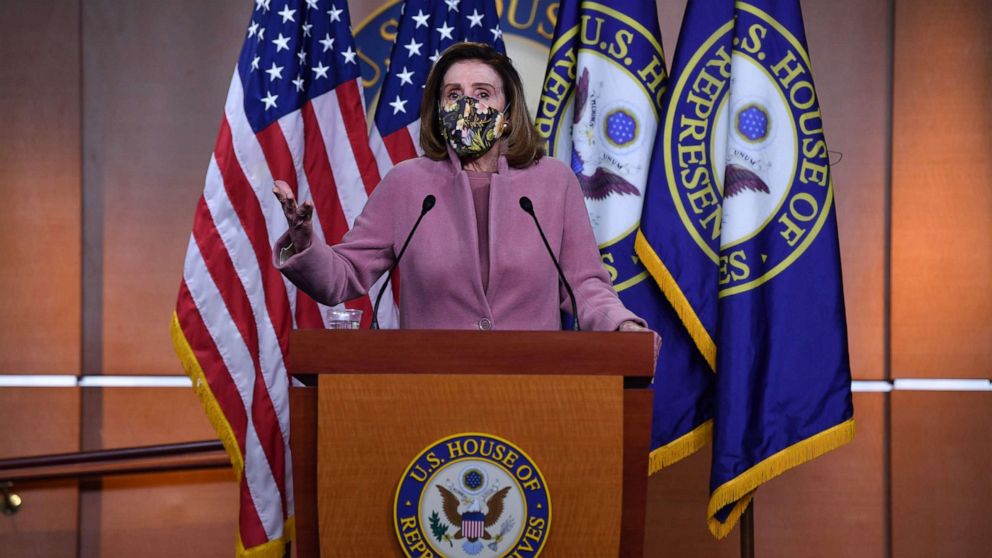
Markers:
(745, 158)
(472, 495)
(599, 114)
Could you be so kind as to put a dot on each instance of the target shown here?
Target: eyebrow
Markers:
(477, 84)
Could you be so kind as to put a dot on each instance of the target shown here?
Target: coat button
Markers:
(485, 324)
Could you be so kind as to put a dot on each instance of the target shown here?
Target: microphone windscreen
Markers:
(526, 205)
(429, 201)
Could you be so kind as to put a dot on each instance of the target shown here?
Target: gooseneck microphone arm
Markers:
(528, 207)
(429, 201)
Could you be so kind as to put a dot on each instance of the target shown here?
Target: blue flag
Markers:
(599, 112)
(748, 235)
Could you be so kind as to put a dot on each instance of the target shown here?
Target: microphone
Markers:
(429, 201)
(527, 206)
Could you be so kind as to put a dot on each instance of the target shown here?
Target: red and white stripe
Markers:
(396, 147)
(473, 528)
(235, 309)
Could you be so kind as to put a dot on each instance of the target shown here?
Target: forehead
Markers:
(470, 72)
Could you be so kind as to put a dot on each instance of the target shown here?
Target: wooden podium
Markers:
(578, 404)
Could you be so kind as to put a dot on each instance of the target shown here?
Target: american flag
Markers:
(294, 112)
(426, 28)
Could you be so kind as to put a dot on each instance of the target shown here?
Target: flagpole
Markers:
(747, 531)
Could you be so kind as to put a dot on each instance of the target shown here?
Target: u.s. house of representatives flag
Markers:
(599, 112)
(426, 28)
(294, 112)
(750, 219)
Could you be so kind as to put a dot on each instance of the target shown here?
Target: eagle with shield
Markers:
(473, 522)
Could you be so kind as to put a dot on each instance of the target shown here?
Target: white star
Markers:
(497, 33)
(406, 76)
(306, 29)
(475, 18)
(335, 13)
(270, 101)
(254, 63)
(302, 55)
(434, 57)
(262, 4)
(275, 72)
(421, 19)
(312, 4)
(298, 82)
(287, 14)
(445, 31)
(261, 34)
(282, 43)
(399, 105)
(252, 29)
(349, 55)
(327, 41)
(413, 47)
(320, 70)
(452, 5)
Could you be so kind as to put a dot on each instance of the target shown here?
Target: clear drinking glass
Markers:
(343, 318)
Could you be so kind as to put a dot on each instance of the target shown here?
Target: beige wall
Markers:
(111, 109)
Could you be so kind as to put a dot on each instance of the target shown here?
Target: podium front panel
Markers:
(370, 428)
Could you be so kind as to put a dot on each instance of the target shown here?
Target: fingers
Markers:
(304, 213)
(631, 326)
(282, 187)
(284, 194)
(295, 215)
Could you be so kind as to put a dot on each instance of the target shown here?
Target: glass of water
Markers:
(343, 318)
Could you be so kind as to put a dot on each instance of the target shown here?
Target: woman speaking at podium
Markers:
(476, 259)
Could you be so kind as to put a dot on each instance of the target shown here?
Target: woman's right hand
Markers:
(298, 217)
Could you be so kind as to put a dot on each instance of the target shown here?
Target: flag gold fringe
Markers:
(739, 490)
(679, 449)
(675, 295)
(271, 549)
(207, 399)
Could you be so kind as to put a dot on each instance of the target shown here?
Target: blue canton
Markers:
(426, 28)
(295, 50)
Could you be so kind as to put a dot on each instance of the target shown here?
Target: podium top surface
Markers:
(320, 351)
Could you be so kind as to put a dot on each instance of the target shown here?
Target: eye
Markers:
(454, 94)
(483, 95)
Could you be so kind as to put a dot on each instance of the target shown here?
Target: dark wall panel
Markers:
(832, 506)
(157, 75)
(173, 514)
(39, 180)
(676, 513)
(848, 42)
(38, 421)
(941, 486)
(941, 202)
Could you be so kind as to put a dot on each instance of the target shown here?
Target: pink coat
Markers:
(440, 274)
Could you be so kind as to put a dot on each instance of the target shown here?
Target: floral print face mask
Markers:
(469, 127)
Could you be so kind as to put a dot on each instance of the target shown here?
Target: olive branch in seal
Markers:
(439, 529)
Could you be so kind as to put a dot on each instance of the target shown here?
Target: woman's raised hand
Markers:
(298, 217)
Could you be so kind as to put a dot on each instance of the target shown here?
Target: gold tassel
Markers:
(271, 549)
(679, 449)
(677, 298)
(207, 399)
(275, 548)
(739, 490)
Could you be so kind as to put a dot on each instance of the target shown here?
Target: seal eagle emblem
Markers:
(472, 495)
